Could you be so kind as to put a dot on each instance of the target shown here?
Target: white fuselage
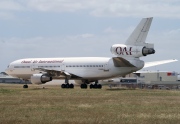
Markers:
(90, 68)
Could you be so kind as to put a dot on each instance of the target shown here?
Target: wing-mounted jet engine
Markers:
(40, 78)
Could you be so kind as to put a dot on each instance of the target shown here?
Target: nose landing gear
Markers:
(25, 86)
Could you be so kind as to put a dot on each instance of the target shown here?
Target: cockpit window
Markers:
(8, 66)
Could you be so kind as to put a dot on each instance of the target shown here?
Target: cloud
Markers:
(99, 8)
(109, 30)
(58, 5)
(87, 35)
(111, 8)
(10, 5)
(174, 32)
(138, 8)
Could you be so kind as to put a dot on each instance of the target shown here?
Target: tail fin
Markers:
(139, 35)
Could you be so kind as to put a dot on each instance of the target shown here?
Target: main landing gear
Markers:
(25, 85)
(92, 86)
(95, 86)
(84, 86)
(67, 85)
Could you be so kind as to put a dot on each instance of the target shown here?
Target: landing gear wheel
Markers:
(25, 86)
(63, 86)
(71, 86)
(67, 86)
(99, 86)
(83, 86)
(95, 86)
(91, 86)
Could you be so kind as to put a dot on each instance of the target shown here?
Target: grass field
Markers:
(80, 106)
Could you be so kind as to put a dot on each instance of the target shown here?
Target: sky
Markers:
(86, 28)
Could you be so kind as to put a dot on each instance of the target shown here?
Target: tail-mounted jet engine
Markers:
(40, 78)
(131, 51)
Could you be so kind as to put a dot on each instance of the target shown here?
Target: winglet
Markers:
(139, 35)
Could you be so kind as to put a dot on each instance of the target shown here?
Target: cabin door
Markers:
(32, 67)
(63, 67)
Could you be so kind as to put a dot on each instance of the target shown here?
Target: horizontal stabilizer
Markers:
(150, 64)
(138, 36)
(121, 62)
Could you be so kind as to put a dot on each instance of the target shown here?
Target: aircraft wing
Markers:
(57, 73)
(150, 64)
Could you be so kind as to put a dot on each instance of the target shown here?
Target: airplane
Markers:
(86, 70)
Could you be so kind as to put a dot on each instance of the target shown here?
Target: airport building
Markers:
(152, 76)
(147, 79)
(155, 79)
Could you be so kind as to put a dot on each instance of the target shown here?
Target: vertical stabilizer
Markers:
(139, 35)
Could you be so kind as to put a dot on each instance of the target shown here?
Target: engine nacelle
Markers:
(131, 51)
(40, 78)
(147, 51)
